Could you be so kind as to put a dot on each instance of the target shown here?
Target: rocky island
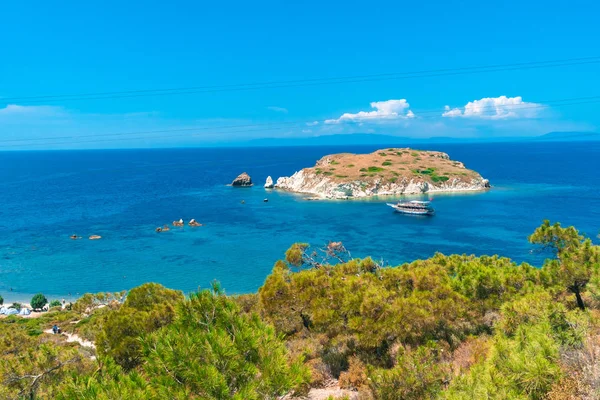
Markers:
(393, 171)
(242, 180)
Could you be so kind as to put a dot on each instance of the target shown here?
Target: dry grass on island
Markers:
(387, 171)
(391, 164)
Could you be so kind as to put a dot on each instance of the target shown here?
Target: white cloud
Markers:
(384, 110)
(16, 110)
(312, 123)
(495, 108)
(278, 109)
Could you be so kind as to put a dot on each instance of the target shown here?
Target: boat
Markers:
(413, 207)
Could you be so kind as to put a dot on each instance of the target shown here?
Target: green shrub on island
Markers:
(437, 178)
(38, 301)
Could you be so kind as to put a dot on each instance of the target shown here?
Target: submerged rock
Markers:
(269, 183)
(242, 180)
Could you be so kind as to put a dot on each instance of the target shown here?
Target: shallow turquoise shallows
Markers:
(124, 195)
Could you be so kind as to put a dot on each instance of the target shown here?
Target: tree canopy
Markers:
(449, 327)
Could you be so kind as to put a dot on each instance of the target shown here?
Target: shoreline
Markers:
(319, 196)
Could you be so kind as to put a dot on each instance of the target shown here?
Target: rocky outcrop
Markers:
(269, 183)
(355, 176)
(323, 187)
(243, 180)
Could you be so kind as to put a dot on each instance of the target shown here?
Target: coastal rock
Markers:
(385, 172)
(178, 223)
(269, 183)
(242, 180)
(194, 223)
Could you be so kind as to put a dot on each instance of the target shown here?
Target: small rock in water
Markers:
(193, 222)
(269, 183)
(243, 180)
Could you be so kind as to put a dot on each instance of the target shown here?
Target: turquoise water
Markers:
(124, 195)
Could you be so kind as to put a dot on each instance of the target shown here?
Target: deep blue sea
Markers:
(123, 195)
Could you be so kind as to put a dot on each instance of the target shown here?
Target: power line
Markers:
(306, 82)
(274, 126)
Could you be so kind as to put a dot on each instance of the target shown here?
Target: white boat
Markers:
(413, 207)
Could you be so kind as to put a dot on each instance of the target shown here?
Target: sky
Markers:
(326, 62)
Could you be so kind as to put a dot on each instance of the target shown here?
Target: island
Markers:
(392, 171)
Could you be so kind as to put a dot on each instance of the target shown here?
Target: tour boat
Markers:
(413, 207)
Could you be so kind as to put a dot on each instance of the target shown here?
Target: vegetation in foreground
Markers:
(450, 327)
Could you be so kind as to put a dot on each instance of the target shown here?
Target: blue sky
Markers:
(90, 47)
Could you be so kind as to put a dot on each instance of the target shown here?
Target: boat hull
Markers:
(411, 212)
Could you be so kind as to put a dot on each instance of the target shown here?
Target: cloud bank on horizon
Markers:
(484, 117)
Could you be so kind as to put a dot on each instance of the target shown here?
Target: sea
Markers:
(123, 195)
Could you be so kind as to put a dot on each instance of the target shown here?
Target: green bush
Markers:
(55, 303)
(147, 308)
(418, 374)
(386, 163)
(375, 169)
(38, 301)
(210, 351)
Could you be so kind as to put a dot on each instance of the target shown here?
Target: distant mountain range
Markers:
(569, 136)
(379, 139)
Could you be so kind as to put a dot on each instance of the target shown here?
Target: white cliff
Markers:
(269, 183)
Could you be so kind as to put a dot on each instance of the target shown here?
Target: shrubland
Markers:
(449, 327)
